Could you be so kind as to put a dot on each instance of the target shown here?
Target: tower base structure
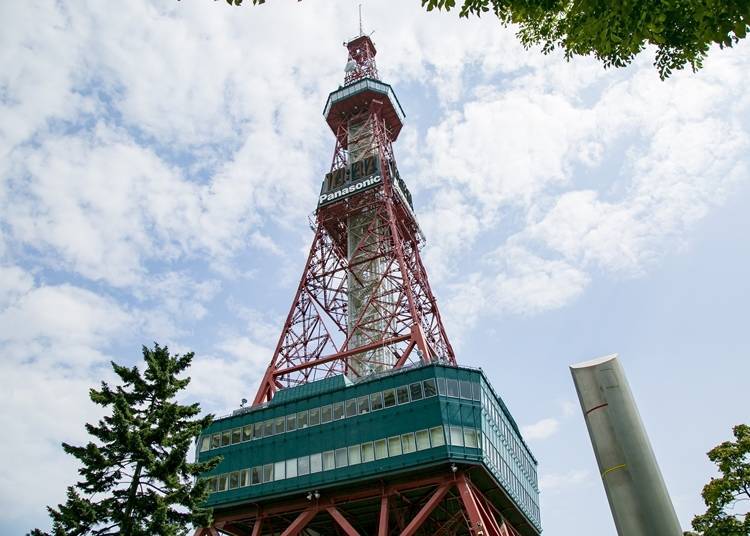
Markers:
(424, 450)
(441, 502)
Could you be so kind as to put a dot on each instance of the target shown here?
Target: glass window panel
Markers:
(291, 423)
(268, 428)
(314, 417)
(222, 482)
(456, 436)
(234, 480)
(303, 465)
(215, 441)
(470, 438)
(205, 443)
(436, 436)
(226, 438)
(338, 411)
(394, 446)
(279, 471)
(402, 394)
(430, 389)
(328, 460)
(423, 440)
(354, 455)
(325, 414)
(441, 386)
(389, 398)
(301, 420)
(341, 458)
(363, 404)
(258, 433)
(236, 435)
(452, 387)
(376, 401)
(466, 389)
(381, 449)
(476, 390)
(279, 425)
(247, 432)
(316, 463)
(416, 391)
(368, 452)
(408, 443)
(213, 484)
(255, 476)
(351, 407)
(267, 473)
(244, 477)
(291, 468)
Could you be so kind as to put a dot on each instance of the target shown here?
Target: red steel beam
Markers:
(257, 526)
(375, 490)
(339, 355)
(405, 355)
(490, 521)
(233, 529)
(342, 521)
(427, 509)
(301, 522)
(383, 521)
(467, 498)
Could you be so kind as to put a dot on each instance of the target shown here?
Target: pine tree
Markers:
(136, 477)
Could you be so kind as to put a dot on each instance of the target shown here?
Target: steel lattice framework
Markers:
(398, 315)
(439, 504)
(364, 305)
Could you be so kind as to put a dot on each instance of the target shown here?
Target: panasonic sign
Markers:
(353, 188)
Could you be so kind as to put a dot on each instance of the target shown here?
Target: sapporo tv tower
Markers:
(363, 423)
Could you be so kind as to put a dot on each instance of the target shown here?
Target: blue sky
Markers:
(159, 161)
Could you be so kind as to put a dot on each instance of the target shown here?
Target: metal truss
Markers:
(398, 321)
(441, 504)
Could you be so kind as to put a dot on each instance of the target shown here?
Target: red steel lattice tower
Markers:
(363, 423)
(364, 303)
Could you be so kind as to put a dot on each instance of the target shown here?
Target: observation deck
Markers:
(391, 426)
(358, 96)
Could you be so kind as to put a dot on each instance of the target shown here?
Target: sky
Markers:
(160, 160)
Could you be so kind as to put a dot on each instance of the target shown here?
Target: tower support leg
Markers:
(342, 521)
(383, 520)
(301, 522)
(426, 510)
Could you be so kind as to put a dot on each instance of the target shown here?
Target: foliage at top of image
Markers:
(616, 31)
(727, 497)
(136, 479)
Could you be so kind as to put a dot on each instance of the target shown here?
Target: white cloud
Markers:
(54, 340)
(527, 283)
(563, 482)
(537, 198)
(542, 429)
(180, 295)
(64, 323)
(505, 148)
(14, 283)
(43, 407)
(569, 408)
(220, 381)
